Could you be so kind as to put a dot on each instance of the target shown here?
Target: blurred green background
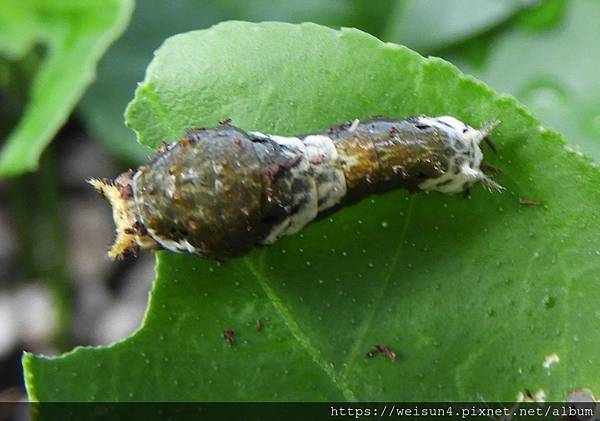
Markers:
(57, 288)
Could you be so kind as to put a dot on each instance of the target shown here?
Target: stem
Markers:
(55, 267)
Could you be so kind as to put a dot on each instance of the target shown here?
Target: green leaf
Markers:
(472, 294)
(76, 34)
(124, 64)
(426, 25)
(554, 71)
(545, 15)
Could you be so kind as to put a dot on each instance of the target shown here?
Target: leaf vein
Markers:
(381, 292)
(297, 332)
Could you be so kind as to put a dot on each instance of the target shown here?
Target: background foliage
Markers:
(75, 34)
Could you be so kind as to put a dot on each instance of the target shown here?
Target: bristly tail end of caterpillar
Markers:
(131, 236)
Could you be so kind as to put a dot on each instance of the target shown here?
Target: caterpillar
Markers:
(219, 192)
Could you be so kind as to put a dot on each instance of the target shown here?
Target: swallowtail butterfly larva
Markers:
(219, 192)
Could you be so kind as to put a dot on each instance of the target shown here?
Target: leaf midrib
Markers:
(297, 332)
(349, 363)
(340, 381)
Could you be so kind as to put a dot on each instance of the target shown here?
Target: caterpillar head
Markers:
(463, 154)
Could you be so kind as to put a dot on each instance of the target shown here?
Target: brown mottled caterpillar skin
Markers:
(219, 192)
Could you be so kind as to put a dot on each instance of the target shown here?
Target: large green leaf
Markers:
(552, 69)
(75, 33)
(472, 294)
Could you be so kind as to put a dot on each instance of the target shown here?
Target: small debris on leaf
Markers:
(228, 335)
(531, 396)
(387, 352)
(550, 359)
(382, 349)
(529, 202)
(258, 325)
